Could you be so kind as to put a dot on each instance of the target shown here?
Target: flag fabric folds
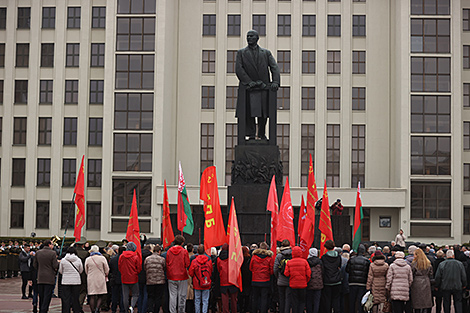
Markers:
(308, 234)
(273, 206)
(302, 217)
(167, 230)
(214, 230)
(286, 218)
(325, 222)
(185, 217)
(80, 202)
(133, 230)
(358, 215)
(235, 260)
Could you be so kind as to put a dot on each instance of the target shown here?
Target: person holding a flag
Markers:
(177, 264)
(228, 291)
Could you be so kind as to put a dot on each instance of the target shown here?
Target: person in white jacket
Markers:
(71, 267)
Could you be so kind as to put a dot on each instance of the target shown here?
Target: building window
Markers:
(333, 98)
(67, 215)
(466, 177)
(45, 131)
(334, 25)
(17, 214)
(1, 91)
(466, 95)
(136, 7)
(208, 97)
(283, 135)
(48, 17)
(93, 215)
(231, 60)
(359, 0)
(19, 134)
(209, 25)
(135, 34)
(466, 19)
(231, 97)
(208, 61)
(359, 98)
(430, 35)
(430, 155)
(45, 91)
(44, 172)
(358, 162)
(233, 24)
(231, 138)
(430, 114)
(3, 18)
(308, 98)
(94, 173)
(133, 152)
(133, 111)
(283, 98)
(96, 91)
(24, 18)
(21, 91)
(73, 17)
(1, 127)
(309, 23)
(430, 74)
(466, 57)
(134, 71)
(359, 62)
(332, 155)
(98, 17)
(466, 135)
(430, 7)
(259, 24)
(2, 55)
(97, 55)
(22, 54)
(207, 146)
(42, 214)
(308, 62)
(283, 61)
(70, 131)
(333, 62)
(123, 190)
(359, 25)
(73, 55)
(18, 172)
(283, 25)
(47, 55)
(95, 132)
(307, 147)
(466, 220)
(69, 172)
(430, 200)
(71, 91)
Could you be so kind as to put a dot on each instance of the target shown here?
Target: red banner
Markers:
(133, 229)
(302, 217)
(308, 234)
(80, 202)
(167, 230)
(325, 222)
(235, 260)
(286, 218)
(274, 208)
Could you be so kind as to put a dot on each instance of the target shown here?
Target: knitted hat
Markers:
(312, 252)
(400, 255)
(131, 246)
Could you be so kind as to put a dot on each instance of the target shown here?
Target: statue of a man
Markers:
(253, 67)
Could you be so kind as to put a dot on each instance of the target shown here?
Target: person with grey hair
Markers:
(451, 280)
(97, 269)
(315, 284)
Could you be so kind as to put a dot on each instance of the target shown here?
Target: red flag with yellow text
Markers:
(167, 230)
(273, 206)
(325, 222)
(80, 202)
(308, 233)
(214, 230)
(133, 229)
(286, 217)
(235, 253)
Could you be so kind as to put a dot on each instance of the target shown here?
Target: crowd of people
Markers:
(186, 278)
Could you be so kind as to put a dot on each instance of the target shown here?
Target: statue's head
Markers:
(252, 37)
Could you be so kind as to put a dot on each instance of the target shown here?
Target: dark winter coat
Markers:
(331, 268)
(377, 279)
(142, 276)
(155, 266)
(421, 294)
(47, 265)
(358, 269)
(298, 270)
(25, 261)
(246, 275)
(282, 280)
(451, 275)
(114, 273)
(261, 266)
(316, 278)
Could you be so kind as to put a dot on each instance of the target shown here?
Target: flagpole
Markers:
(67, 223)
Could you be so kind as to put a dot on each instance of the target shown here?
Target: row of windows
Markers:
(284, 61)
(284, 21)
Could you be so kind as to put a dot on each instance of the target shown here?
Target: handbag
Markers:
(369, 302)
(387, 307)
(105, 276)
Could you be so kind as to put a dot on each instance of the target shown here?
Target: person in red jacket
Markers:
(228, 291)
(261, 266)
(201, 272)
(177, 263)
(299, 273)
(130, 266)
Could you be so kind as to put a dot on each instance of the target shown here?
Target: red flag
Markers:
(302, 217)
(80, 202)
(286, 218)
(214, 231)
(325, 222)
(308, 234)
(133, 230)
(274, 208)
(235, 252)
(167, 231)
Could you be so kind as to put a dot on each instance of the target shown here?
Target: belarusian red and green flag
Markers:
(185, 217)
(358, 215)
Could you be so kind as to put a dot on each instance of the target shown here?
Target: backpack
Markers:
(203, 274)
(283, 262)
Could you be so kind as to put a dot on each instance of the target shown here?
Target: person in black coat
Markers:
(244, 300)
(25, 258)
(330, 297)
(116, 284)
(358, 269)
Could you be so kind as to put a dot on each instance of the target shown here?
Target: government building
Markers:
(377, 91)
